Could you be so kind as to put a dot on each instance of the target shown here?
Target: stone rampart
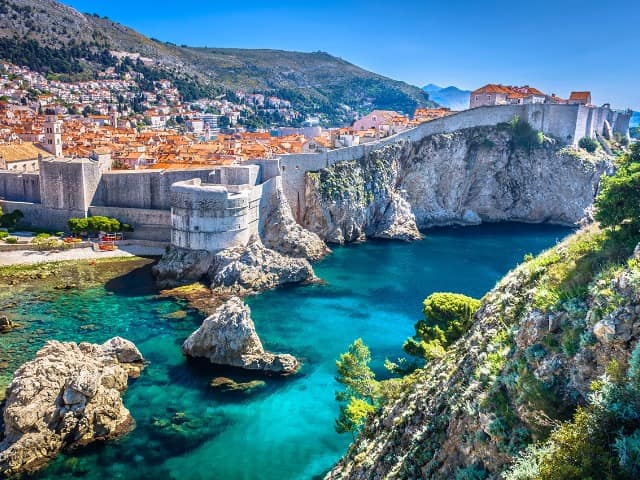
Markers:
(210, 217)
(22, 187)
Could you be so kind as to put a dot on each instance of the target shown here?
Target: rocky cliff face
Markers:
(280, 232)
(67, 397)
(527, 362)
(280, 255)
(479, 174)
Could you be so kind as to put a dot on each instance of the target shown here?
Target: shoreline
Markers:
(35, 257)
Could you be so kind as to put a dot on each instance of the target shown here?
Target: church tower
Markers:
(53, 135)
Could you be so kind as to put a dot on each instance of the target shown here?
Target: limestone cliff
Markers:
(541, 337)
(466, 177)
(280, 232)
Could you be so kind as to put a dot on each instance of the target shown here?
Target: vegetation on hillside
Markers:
(447, 316)
(526, 380)
(54, 39)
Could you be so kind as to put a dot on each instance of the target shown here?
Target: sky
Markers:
(555, 45)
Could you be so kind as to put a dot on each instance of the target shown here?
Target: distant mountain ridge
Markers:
(450, 97)
(54, 38)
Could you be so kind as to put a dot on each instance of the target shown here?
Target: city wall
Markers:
(205, 215)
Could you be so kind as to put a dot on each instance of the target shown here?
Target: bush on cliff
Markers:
(602, 441)
(589, 144)
(523, 135)
(447, 317)
(361, 393)
(618, 203)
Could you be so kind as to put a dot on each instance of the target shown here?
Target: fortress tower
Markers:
(53, 135)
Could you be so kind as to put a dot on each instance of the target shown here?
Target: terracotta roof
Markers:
(511, 91)
(580, 96)
(19, 152)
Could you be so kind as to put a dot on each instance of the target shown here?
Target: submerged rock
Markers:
(228, 385)
(67, 397)
(228, 337)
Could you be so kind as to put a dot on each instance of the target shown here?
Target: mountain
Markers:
(450, 97)
(53, 38)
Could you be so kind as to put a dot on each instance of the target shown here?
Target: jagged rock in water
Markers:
(67, 397)
(473, 175)
(179, 266)
(519, 370)
(228, 337)
(6, 325)
(398, 222)
(255, 268)
(280, 232)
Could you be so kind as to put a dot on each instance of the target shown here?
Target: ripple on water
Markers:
(186, 429)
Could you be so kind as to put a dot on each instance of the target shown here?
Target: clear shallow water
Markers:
(186, 430)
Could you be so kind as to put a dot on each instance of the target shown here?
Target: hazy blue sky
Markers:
(556, 46)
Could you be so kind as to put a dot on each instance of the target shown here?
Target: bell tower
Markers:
(53, 135)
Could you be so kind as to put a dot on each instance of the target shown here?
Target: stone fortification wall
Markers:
(37, 215)
(269, 167)
(567, 123)
(147, 224)
(211, 217)
(22, 187)
(235, 175)
(149, 189)
(68, 184)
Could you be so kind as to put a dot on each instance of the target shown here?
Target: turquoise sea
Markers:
(186, 430)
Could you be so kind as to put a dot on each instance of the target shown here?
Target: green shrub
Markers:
(618, 203)
(11, 240)
(447, 317)
(3, 235)
(588, 143)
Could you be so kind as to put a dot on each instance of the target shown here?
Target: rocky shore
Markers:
(228, 337)
(68, 396)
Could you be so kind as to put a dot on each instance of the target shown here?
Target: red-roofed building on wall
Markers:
(495, 94)
(580, 98)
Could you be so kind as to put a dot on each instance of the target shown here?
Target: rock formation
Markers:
(280, 232)
(521, 367)
(228, 337)
(239, 270)
(67, 397)
(6, 325)
(465, 177)
(256, 268)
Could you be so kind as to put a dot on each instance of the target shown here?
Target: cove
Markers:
(185, 429)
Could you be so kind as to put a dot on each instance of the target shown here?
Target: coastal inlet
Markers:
(269, 427)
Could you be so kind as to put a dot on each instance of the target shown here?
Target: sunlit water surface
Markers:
(186, 430)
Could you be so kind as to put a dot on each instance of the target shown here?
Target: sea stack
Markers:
(228, 337)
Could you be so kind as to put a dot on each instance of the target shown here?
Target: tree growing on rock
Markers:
(361, 394)
(447, 316)
(618, 203)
